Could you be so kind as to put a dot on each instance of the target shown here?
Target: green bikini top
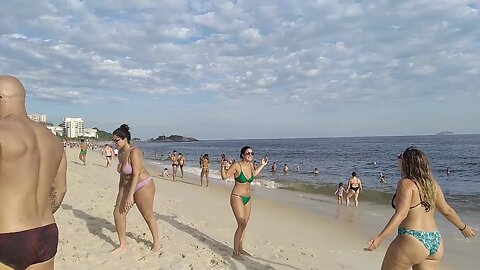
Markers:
(241, 177)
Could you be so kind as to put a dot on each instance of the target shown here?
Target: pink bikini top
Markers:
(127, 168)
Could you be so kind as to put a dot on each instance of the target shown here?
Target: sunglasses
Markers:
(115, 140)
(249, 153)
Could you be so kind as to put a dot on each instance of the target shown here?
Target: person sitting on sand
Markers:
(244, 175)
(135, 187)
(165, 172)
(418, 244)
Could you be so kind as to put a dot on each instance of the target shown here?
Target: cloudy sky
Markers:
(249, 69)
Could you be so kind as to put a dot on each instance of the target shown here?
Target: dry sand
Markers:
(196, 227)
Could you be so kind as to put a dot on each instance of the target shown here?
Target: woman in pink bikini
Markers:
(135, 187)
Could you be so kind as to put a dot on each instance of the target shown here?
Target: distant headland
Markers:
(172, 138)
(445, 133)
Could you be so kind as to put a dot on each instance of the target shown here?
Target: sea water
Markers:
(337, 158)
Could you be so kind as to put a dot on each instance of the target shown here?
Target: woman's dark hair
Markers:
(123, 132)
(354, 174)
(340, 184)
(243, 150)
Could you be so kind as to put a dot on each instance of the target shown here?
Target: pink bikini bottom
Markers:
(142, 183)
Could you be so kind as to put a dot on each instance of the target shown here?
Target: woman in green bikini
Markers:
(418, 243)
(240, 198)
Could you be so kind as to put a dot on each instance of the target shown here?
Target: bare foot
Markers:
(243, 252)
(155, 248)
(120, 249)
(237, 256)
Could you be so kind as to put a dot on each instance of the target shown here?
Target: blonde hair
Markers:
(415, 166)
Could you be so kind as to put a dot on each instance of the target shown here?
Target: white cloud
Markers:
(316, 51)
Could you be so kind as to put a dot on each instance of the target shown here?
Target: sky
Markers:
(249, 69)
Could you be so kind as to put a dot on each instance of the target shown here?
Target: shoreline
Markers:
(368, 219)
(196, 227)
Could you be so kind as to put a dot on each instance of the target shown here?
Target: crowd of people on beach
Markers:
(29, 235)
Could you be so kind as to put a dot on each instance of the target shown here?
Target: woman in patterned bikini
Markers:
(418, 243)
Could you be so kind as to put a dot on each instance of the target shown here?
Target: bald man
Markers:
(32, 184)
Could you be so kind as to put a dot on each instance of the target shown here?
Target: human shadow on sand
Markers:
(96, 225)
(76, 162)
(221, 249)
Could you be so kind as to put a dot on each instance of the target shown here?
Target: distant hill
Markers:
(103, 135)
(173, 138)
(445, 133)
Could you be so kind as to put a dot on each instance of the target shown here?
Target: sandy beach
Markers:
(196, 227)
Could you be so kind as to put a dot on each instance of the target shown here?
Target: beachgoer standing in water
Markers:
(244, 175)
(181, 162)
(339, 193)
(32, 184)
(205, 170)
(418, 244)
(274, 167)
(174, 159)
(354, 187)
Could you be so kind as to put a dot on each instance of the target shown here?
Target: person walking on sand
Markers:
(135, 187)
(339, 193)
(205, 169)
(32, 184)
(108, 152)
(244, 175)
(418, 244)
(354, 187)
(83, 151)
(181, 162)
(174, 160)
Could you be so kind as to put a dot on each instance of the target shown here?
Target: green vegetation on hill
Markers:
(103, 135)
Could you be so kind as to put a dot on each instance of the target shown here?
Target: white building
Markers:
(73, 127)
(90, 133)
(41, 118)
(56, 130)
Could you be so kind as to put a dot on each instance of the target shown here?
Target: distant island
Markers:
(445, 133)
(172, 138)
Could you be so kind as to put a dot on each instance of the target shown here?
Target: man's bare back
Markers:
(32, 171)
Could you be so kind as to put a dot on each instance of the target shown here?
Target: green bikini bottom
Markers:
(245, 199)
(431, 240)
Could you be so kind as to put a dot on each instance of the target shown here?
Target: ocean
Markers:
(337, 158)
